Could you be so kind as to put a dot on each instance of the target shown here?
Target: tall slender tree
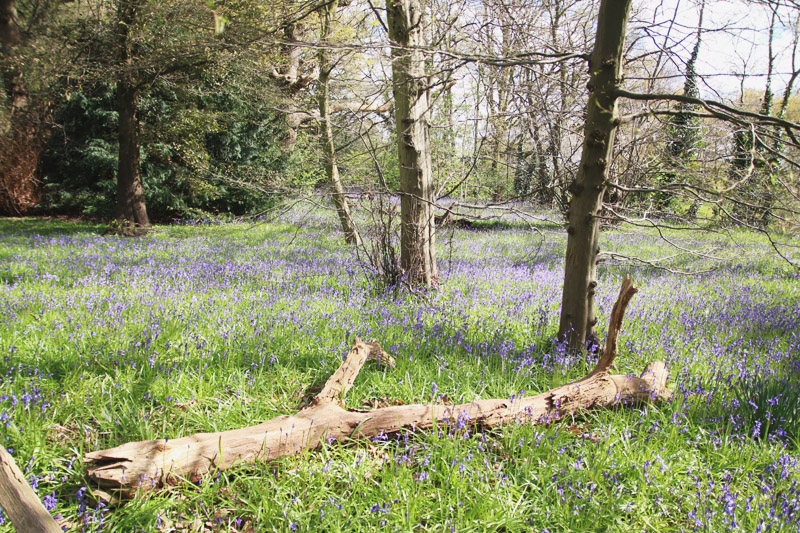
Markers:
(10, 40)
(580, 277)
(130, 191)
(351, 236)
(685, 126)
(21, 133)
(750, 163)
(412, 113)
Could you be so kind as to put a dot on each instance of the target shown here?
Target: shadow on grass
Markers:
(761, 408)
(49, 226)
(478, 225)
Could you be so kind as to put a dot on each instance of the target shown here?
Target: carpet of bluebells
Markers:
(208, 327)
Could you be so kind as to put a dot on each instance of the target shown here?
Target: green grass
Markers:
(105, 340)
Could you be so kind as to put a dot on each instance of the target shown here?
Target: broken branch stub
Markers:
(149, 464)
(626, 292)
(344, 377)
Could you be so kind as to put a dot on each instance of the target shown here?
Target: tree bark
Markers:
(19, 502)
(501, 78)
(351, 235)
(766, 102)
(412, 118)
(130, 191)
(580, 276)
(146, 465)
(787, 92)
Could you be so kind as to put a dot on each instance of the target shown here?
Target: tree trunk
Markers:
(605, 66)
(787, 92)
(291, 81)
(412, 113)
(685, 134)
(146, 465)
(351, 235)
(130, 191)
(20, 136)
(556, 125)
(502, 78)
(10, 39)
(766, 102)
(19, 502)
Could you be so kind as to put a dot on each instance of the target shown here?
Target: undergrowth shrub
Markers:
(379, 254)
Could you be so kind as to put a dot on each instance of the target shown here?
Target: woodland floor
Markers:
(207, 327)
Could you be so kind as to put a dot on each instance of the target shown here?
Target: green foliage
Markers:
(80, 163)
(685, 130)
(532, 178)
(525, 176)
(685, 136)
(201, 152)
(755, 175)
(742, 150)
(303, 169)
(359, 165)
(209, 136)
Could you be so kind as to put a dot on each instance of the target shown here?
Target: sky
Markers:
(735, 40)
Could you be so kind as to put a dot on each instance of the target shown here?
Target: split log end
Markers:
(656, 374)
(113, 469)
(18, 500)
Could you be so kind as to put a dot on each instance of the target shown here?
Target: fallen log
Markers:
(146, 465)
(449, 220)
(18, 500)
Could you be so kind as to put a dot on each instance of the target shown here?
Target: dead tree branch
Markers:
(146, 465)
